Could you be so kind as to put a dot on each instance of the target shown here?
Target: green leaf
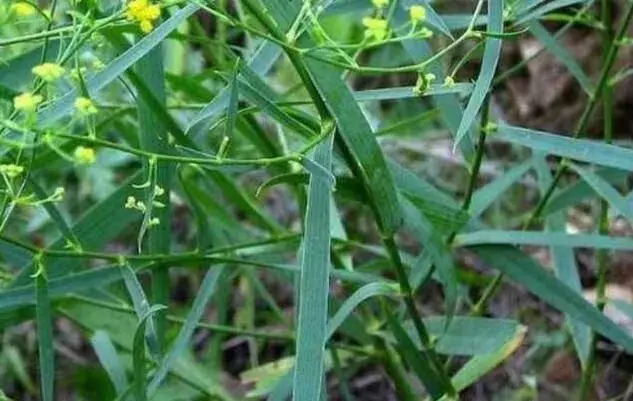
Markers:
(314, 283)
(434, 245)
(519, 267)
(362, 294)
(577, 149)
(46, 350)
(543, 239)
(480, 365)
(562, 54)
(492, 51)
(138, 353)
(408, 92)
(470, 335)
(107, 355)
(179, 346)
(418, 361)
(532, 12)
(606, 191)
(580, 190)
(59, 287)
(564, 262)
(486, 196)
(153, 135)
(142, 307)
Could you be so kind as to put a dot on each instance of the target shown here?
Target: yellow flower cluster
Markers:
(23, 9)
(417, 14)
(85, 107)
(143, 12)
(11, 170)
(48, 72)
(84, 155)
(27, 102)
(376, 28)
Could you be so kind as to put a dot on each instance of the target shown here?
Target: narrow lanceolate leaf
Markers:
(64, 105)
(362, 294)
(418, 361)
(562, 54)
(480, 365)
(44, 320)
(153, 137)
(179, 346)
(489, 62)
(107, 355)
(231, 111)
(486, 196)
(138, 354)
(564, 263)
(580, 190)
(314, 283)
(534, 12)
(141, 306)
(434, 244)
(606, 191)
(409, 92)
(577, 149)
(466, 335)
(525, 271)
(73, 283)
(543, 239)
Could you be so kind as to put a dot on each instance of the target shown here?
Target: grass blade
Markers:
(606, 191)
(142, 307)
(107, 355)
(576, 149)
(179, 346)
(562, 54)
(314, 283)
(138, 353)
(543, 239)
(362, 294)
(46, 349)
(492, 51)
(480, 365)
(564, 262)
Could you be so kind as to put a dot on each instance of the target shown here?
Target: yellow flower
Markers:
(84, 155)
(85, 107)
(417, 13)
(375, 27)
(23, 9)
(380, 3)
(27, 102)
(49, 72)
(143, 12)
(11, 170)
(449, 82)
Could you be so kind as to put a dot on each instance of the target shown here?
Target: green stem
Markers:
(602, 256)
